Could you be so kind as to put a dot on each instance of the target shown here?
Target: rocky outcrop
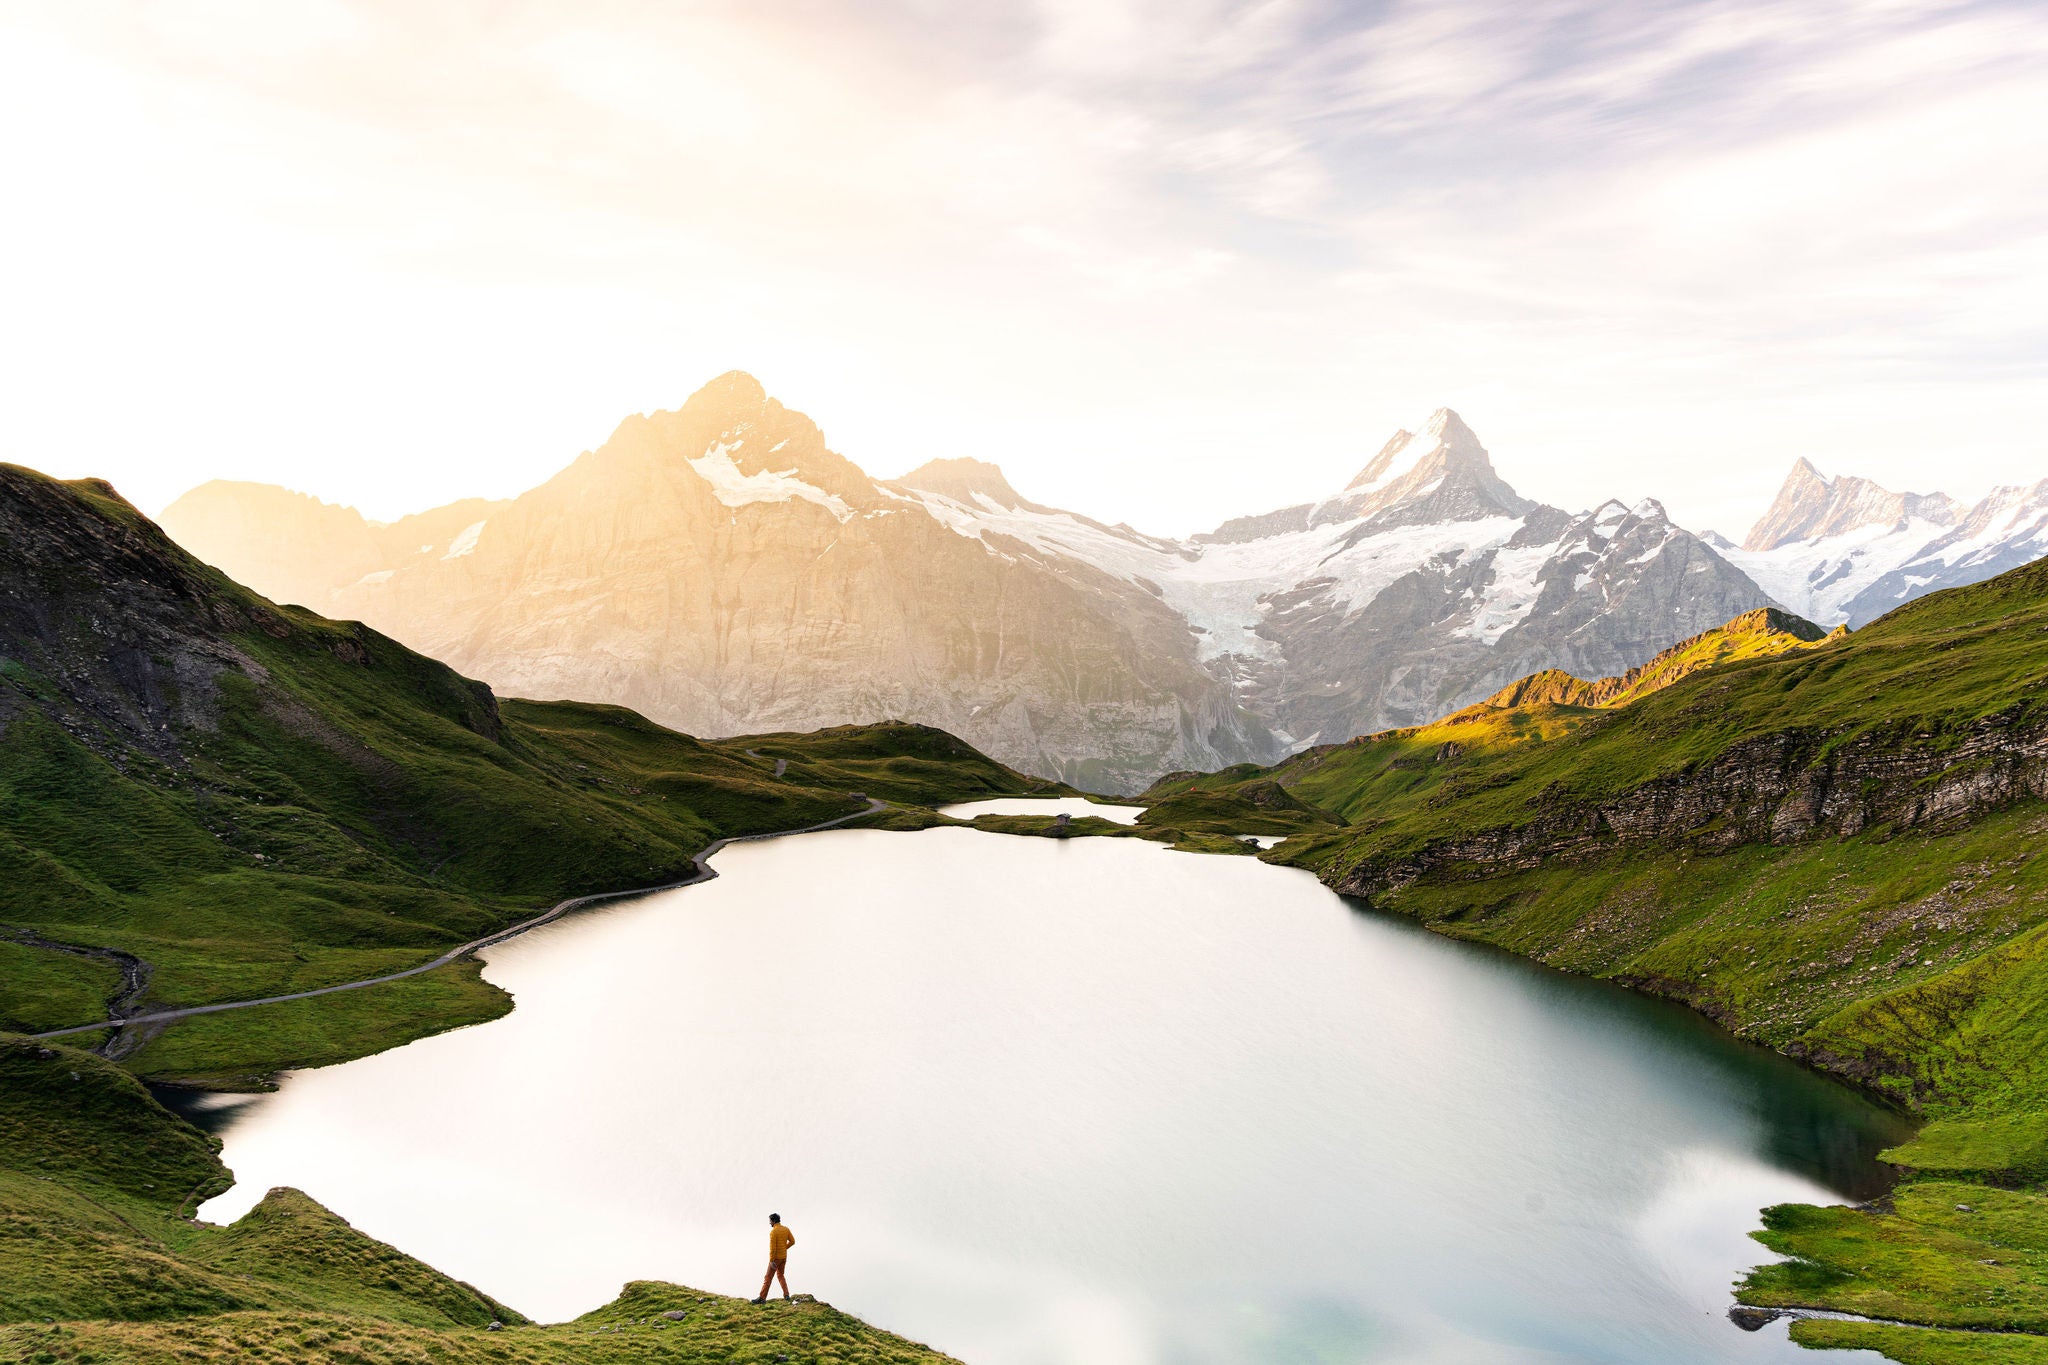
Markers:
(1754, 634)
(119, 680)
(122, 638)
(1777, 789)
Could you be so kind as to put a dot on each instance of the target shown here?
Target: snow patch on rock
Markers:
(1510, 595)
(465, 542)
(1218, 586)
(1818, 579)
(735, 489)
(1402, 460)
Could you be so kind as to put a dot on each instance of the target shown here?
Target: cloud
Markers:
(1657, 248)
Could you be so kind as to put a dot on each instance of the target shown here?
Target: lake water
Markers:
(1081, 1102)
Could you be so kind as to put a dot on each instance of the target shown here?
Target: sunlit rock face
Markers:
(1846, 551)
(301, 549)
(721, 570)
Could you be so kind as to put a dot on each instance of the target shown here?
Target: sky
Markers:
(1166, 262)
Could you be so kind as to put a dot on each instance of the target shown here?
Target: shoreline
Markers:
(704, 873)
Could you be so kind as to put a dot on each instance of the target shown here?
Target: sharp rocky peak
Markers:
(1439, 472)
(961, 479)
(1443, 440)
(1812, 506)
(733, 387)
(734, 417)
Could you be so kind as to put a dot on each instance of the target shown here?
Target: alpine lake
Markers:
(1078, 1102)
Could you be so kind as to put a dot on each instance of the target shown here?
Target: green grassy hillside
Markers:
(1755, 634)
(1835, 848)
(231, 800)
(208, 798)
(100, 1261)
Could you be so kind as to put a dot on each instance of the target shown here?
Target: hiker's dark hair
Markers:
(774, 1217)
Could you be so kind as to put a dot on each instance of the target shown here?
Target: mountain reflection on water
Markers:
(1079, 1101)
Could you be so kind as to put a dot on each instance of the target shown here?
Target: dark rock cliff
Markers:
(115, 633)
(1777, 789)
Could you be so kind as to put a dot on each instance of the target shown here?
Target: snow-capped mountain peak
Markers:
(1411, 457)
(1847, 550)
(1407, 451)
(745, 445)
(1437, 473)
(1427, 579)
(1810, 506)
(731, 573)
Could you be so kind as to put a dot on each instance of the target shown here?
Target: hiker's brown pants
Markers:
(774, 1274)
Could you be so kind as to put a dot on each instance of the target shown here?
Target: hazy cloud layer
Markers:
(1165, 261)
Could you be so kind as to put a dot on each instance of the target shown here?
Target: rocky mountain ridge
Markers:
(1426, 584)
(1926, 724)
(1810, 506)
(1752, 635)
(1844, 551)
(720, 568)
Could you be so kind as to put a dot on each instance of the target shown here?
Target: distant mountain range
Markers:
(1426, 583)
(719, 568)
(1846, 551)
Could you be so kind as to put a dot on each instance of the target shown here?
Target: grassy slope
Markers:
(1248, 808)
(1758, 634)
(95, 1180)
(1914, 962)
(633, 1329)
(251, 800)
(341, 808)
(275, 867)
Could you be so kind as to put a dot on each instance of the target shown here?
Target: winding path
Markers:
(704, 873)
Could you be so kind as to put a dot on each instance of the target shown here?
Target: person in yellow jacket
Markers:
(780, 1240)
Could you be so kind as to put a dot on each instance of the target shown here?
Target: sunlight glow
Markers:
(395, 256)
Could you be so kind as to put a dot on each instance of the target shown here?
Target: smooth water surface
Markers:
(1078, 1101)
(1039, 805)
